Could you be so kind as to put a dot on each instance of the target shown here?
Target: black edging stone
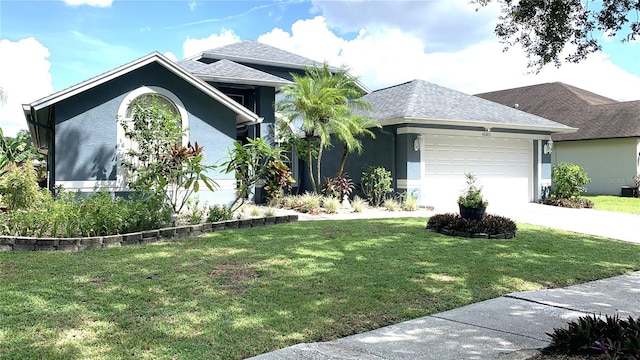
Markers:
(23, 243)
(466, 234)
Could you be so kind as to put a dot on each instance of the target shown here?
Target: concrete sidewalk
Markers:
(494, 329)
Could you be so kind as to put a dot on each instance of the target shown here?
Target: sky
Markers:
(49, 45)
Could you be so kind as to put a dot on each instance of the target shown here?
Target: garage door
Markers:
(502, 166)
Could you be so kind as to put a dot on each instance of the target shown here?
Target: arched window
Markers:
(151, 95)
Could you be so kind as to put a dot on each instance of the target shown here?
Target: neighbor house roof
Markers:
(249, 52)
(596, 116)
(40, 112)
(422, 102)
(227, 71)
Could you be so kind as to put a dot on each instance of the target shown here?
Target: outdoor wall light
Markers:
(548, 147)
(417, 142)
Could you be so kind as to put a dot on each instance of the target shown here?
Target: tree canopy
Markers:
(551, 31)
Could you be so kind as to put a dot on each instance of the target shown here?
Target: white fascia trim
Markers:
(469, 133)
(245, 114)
(486, 124)
(234, 80)
(409, 183)
(114, 185)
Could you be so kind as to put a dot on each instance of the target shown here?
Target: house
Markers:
(430, 135)
(220, 96)
(607, 144)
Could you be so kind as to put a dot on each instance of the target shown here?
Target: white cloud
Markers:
(25, 77)
(382, 56)
(194, 46)
(96, 3)
(171, 56)
(192, 5)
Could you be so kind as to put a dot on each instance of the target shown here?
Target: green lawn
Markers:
(615, 203)
(235, 294)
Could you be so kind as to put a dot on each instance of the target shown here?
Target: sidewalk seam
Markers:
(486, 327)
(545, 304)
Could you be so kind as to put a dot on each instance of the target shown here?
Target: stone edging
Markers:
(506, 235)
(23, 243)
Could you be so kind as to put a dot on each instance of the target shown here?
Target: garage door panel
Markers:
(502, 167)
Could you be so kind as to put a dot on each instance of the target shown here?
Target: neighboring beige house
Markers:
(607, 144)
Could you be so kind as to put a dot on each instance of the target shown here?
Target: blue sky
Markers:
(46, 46)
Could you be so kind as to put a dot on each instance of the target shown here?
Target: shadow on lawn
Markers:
(235, 294)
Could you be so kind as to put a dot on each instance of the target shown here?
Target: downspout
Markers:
(393, 158)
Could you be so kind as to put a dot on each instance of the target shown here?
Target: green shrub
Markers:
(219, 213)
(376, 184)
(95, 214)
(472, 196)
(331, 205)
(568, 180)
(610, 338)
(19, 186)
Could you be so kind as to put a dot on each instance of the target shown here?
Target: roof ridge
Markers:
(580, 96)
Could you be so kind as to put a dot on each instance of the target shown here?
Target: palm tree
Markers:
(323, 101)
(356, 126)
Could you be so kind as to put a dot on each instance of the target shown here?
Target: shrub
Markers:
(489, 225)
(568, 180)
(591, 335)
(331, 205)
(358, 204)
(392, 205)
(309, 203)
(472, 195)
(409, 202)
(219, 213)
(278, 178)
(19, 186)
(576, 203)
(376, 184)
(338, 186)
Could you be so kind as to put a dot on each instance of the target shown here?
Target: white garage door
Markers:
(502, 166)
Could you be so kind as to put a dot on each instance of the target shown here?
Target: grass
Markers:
(235, 294)
(615, 203)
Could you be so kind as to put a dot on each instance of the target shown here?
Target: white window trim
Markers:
(122, 111)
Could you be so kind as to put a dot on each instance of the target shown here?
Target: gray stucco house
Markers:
(430, 135)
(607, 144)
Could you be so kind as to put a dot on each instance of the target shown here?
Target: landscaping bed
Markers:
(489, 227)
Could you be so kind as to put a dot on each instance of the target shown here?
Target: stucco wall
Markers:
(610, 163)
(86, 127)
(376, 152)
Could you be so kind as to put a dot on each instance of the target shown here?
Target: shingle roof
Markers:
(596, 116)
(229, 70)
(38, 112)
(254, 52)
(421, 100)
